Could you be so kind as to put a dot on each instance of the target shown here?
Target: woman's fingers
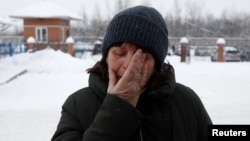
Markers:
(134, 69)
(144, 78)
(129, 86)
(112, 79)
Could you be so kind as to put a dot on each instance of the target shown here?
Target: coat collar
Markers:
(98, 85)
(156, 98)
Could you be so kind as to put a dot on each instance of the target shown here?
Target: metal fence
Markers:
(9, 49)
(195, 41)
(10, 45)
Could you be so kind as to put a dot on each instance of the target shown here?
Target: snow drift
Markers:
(30, 104)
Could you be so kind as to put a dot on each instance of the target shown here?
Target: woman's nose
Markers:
(131, 49)
(126, 60)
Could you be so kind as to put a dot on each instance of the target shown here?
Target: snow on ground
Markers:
(30, 105)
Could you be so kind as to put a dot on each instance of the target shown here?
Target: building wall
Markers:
(54, 28)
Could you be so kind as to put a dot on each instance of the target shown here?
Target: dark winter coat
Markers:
(170, 112)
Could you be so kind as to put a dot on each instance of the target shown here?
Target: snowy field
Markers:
(30, 105)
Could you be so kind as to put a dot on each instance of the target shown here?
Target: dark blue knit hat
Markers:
(143, 26)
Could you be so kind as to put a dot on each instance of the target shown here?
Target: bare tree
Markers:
(177, 19)
(193, 18)
(97, 23)
(109, 11)
(245, 25)
(121, 4)
(193, 24)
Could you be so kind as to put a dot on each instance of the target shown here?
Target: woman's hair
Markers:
(101, 67)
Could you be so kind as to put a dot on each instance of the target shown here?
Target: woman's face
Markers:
(119, 57)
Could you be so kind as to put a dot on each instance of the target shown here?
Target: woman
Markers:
(132, 94)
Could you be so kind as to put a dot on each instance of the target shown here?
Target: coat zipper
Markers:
(141, 135)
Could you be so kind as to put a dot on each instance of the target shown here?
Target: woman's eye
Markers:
(120, 52)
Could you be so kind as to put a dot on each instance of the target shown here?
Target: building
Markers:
(48, 23)
(4, 24)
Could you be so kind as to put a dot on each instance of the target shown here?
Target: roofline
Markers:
(50, 17)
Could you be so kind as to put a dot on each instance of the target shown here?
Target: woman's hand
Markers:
(129, 86)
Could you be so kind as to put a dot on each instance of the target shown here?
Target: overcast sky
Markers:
(106, 7)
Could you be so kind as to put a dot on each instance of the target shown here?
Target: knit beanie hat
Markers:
(143, 26)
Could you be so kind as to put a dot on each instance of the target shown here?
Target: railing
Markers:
(195, 41)
(10, 45)
(9, 49)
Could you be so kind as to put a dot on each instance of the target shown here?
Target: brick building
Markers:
(48, 23)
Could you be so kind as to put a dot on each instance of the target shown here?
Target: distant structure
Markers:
(47, 23)
(220, 43)
(184, 50)
(4, 24)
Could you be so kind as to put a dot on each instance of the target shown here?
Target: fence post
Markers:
(220, 43)
(11, 51)
(30, 44)
(70, 42)
(184, 49)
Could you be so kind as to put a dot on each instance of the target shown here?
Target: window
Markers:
(41, 34)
